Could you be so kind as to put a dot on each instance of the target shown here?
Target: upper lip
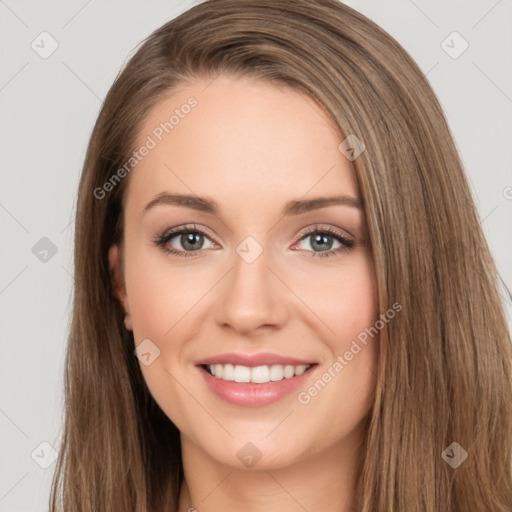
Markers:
(263, 359)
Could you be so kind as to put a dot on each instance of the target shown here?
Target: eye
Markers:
(322, 240)
(183, 241)
(187, 241)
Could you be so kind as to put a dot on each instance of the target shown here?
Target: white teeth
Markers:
(276, 372)
(301, 369)
(256, 374)
(242, 374)
(228, 372)
(260, 374)
(289, 371)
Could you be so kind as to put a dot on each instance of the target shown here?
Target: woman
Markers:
(283, 296)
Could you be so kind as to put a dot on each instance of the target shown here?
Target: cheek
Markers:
(346, 311)
(160, 299)
(357, 339)
(160, 295)
(342, 298)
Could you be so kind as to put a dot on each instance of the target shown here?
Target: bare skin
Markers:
(252, 147)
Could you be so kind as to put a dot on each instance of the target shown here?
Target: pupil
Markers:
(322, 241)
(191, 240)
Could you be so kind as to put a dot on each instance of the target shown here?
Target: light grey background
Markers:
(48, 110)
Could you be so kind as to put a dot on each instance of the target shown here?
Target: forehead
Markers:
(239, 138)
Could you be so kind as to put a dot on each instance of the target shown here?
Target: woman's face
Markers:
(231, 251)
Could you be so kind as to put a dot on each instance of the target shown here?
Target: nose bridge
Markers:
(251, 295)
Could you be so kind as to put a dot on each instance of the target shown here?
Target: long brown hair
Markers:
(444, 373)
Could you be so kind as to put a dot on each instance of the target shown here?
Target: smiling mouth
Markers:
(256, 374)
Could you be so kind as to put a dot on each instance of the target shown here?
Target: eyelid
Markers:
(303, 232)
(188, 227)
(326, 228)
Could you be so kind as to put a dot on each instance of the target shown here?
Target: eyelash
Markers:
(163, 239)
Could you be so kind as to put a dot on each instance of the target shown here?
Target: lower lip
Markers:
(248, 394)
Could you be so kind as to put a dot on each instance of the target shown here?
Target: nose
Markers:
(251, 297)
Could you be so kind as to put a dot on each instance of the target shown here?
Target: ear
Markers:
(116, 272)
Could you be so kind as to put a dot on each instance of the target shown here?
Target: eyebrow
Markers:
(294, 207)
